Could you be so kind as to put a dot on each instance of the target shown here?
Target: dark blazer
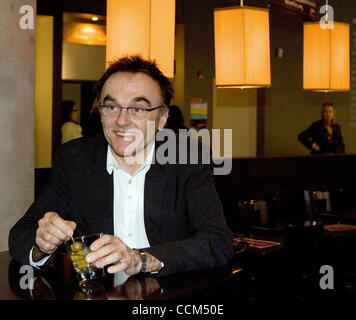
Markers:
(319, 134)
(183, 215)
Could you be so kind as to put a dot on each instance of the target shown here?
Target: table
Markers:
(59, 282)
(268, 276)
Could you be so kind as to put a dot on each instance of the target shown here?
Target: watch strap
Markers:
(143, 257)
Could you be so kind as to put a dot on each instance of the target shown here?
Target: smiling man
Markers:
(161, 218)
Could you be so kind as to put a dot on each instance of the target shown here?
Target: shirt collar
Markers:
(111, 162)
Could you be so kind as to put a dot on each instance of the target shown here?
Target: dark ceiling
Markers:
(83, 6)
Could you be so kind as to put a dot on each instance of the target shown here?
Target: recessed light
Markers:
(95, 18)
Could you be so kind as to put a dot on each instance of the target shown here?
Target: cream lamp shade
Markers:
(242, 47)
(144, 27)
(326, 57)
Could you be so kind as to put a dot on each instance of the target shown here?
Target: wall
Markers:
(82, 62)
(236, 109)
(178, 81)
(44, 91)
(17, 95)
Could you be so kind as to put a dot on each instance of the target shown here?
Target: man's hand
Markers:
(51, 232)
(111, 250)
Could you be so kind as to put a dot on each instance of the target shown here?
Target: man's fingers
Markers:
(44, 246)
(53, 231)
(96, 255)
(72, 225)
(54, 236)
(102, 241)
(117, 268)
(65, 226)
(112, 258)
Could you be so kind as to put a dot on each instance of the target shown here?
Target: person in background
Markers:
(324, 136)
(175, 119)
(71, 128)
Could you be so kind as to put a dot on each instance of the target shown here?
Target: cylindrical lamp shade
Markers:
(242, 47)
(326, 57)
(144, 27)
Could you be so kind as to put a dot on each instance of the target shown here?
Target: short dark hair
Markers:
(67, 106)
(135, 64)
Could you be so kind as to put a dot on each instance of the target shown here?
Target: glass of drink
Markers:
(78, 248)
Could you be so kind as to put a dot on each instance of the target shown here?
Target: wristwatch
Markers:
(143, 257)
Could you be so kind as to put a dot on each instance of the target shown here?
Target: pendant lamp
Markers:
(326, 56)
(144, 27)
(242, 47)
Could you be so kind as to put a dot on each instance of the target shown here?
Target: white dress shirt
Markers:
(129, 223)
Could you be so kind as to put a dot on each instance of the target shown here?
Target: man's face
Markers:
(126, 135)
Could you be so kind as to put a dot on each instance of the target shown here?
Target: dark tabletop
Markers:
(287, 271)
(59, 282)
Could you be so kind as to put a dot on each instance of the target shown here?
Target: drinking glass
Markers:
(78, 248)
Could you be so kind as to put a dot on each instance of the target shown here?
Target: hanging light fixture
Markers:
(326, 55)
(144, 27)
(242, 47)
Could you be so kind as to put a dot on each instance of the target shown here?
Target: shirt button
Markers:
(130, 181)
(129, 235)
(130, 196)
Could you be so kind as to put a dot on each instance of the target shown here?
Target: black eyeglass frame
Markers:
(130, 108)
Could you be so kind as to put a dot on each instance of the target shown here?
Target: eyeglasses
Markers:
(135, 112)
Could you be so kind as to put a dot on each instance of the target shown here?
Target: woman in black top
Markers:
(324, 136)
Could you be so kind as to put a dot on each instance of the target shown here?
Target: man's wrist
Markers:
(145, 262)
(37, 254)
(142, 266)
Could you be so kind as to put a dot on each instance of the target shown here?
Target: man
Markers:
(171, 212)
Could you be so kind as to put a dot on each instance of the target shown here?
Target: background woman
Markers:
(70, 121)
(324, 136)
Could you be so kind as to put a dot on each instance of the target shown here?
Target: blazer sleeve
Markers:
(210, 244)
(53, 198)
